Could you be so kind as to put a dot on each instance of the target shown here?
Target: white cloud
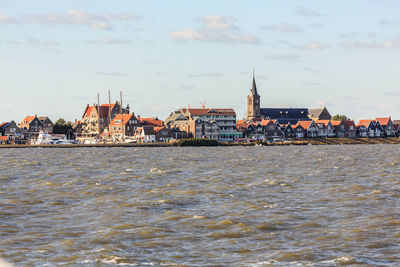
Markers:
(6, 19)
(216, 28)
(206, 74)
(373, 45)
(303, 11)
(284, 27)
(36, 41)
(112, 73)
(110, 41)
(312, 46)
(73, 17)
(284, 57)
(387, 22)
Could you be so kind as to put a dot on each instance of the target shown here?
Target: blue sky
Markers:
(57, 55)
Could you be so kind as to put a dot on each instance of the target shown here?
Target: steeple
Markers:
(253, 102)
(254, 87)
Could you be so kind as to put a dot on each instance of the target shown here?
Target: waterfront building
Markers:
(309, 127)
(31, 126)
(219, 124)
(387, 126)
(77, 128)
(325, 128)
(122, 125)
(96, 118)
(47, 124)
(11, 130)
(288, 131)
(162, 134)
(152, 121)
(145, 134)
(282, 115)
(369, 128)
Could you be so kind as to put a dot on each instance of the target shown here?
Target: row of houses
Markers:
(269, 129)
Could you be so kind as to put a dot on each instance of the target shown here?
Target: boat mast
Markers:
(122, 118)
(98, 117)
(109, 113)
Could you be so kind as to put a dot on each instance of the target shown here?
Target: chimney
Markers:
(127, 109)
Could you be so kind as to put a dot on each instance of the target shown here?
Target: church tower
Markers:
(253, 102)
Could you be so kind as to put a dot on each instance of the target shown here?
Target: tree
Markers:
(63, 127)
(338, 117)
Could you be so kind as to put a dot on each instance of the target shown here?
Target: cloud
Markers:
(312, 84)
(112, 73)
(215, 28)
(110, 41)
(36, 41)
(387, 22)
(284, 57)
(356, 34)
(162, 73)
(312, 46)
(206, 74)
(392, 93)
(73, 17)
(284, 27)
(5, 19)
(373, 45)
(303, 11)
(312, 70)
(188, 87)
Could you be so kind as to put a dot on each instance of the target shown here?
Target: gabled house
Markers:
(96, 118)
(369, 128)
(122, 124)
(153, 121)
(310, 128)
(319, 114)
(288, 131)
(271, 129)
(300, 132)
(350, 129)
(387, 126)
(31, 126)
(339, 129)
(145, 134)
(325, 128)
(162, 134)
(11, 130)
(47, 124)
(77, 128)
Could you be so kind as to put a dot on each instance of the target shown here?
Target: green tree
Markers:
(63, 127)
(338, 117)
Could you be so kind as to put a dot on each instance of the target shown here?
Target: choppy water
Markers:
(253, 206)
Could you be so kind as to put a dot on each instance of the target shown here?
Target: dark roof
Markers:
(284, 113)
(253, 86)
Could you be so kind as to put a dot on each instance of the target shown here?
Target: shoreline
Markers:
(303, 141)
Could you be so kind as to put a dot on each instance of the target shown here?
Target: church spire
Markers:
(254, 87)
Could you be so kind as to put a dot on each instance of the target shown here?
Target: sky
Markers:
(56, 55)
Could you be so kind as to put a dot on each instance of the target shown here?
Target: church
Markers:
(282, 115)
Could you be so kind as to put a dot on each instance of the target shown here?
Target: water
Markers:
(251, 206)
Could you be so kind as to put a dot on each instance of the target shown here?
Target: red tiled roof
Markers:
(383, 121)
(3, 138)
(27, 120)
(151, 121)
(364, 123)
(103, 110)
(349, 123)
(207, 111)
(4, 123)
(324, 122)
(265, 122)
(336, 123)
(304, 124)
(126, 118)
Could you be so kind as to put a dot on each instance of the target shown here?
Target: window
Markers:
(250, 102)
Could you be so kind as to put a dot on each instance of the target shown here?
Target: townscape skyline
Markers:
(57, 56)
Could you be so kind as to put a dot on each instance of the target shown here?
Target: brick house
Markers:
(125, 126)
(162, 134)
(31, 126)
(11, 130)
